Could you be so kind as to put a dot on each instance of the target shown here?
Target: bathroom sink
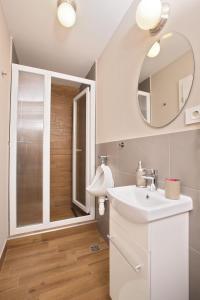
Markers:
(140, 205)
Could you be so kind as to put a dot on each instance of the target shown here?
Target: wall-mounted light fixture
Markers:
(66, 13)
(152, 15)
(155, 50)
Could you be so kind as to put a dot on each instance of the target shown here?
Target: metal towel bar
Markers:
(137, 268)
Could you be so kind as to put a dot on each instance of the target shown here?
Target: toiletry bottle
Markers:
(140, 172)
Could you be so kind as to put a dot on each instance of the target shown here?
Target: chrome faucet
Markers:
(152, 176)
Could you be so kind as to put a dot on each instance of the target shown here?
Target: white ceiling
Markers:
(42, 42)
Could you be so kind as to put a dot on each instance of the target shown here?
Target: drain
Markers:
(147, 196)
(95, 248)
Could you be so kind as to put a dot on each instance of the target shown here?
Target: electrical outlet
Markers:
(192, 115)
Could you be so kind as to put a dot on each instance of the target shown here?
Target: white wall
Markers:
(5, 60)
(118, 70)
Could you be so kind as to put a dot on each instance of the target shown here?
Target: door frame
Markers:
(148, 104)
(182, 85)
(46, 224)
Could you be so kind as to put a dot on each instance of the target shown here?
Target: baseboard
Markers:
(3, 254)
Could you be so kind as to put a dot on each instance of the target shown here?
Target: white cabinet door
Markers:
(129, 263)
(125, 282)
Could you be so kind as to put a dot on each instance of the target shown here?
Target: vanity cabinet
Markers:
(149, 261)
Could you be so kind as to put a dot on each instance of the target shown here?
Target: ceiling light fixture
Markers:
(154, 51)
(66, 13)
(152, 15)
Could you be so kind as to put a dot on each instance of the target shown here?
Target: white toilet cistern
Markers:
(102, 181)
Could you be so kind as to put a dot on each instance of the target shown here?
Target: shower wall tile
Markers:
(185, 157)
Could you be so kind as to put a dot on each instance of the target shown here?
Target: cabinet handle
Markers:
(137, 268)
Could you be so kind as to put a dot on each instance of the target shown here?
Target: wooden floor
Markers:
(61, 212)
(55, 266)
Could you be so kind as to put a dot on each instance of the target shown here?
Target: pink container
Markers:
(172, 188)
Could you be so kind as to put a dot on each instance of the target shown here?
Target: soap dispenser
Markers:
(140, 172)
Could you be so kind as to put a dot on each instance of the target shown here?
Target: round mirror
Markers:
(165, 79)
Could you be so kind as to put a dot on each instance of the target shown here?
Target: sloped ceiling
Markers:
(40, 40)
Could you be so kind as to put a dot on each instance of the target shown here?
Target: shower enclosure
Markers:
(51, 157)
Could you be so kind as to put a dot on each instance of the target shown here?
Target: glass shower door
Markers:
(27, 147)
(30, 131)
(30, 111)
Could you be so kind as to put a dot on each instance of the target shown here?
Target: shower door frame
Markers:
(46, 223)
(86, 207)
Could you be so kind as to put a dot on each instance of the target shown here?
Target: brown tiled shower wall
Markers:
(176, 155)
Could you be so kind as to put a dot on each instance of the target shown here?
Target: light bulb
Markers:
(66, 14)
(167, 36)
(155, 50)
(148, 14)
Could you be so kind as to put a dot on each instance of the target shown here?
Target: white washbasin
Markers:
(140, 205)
